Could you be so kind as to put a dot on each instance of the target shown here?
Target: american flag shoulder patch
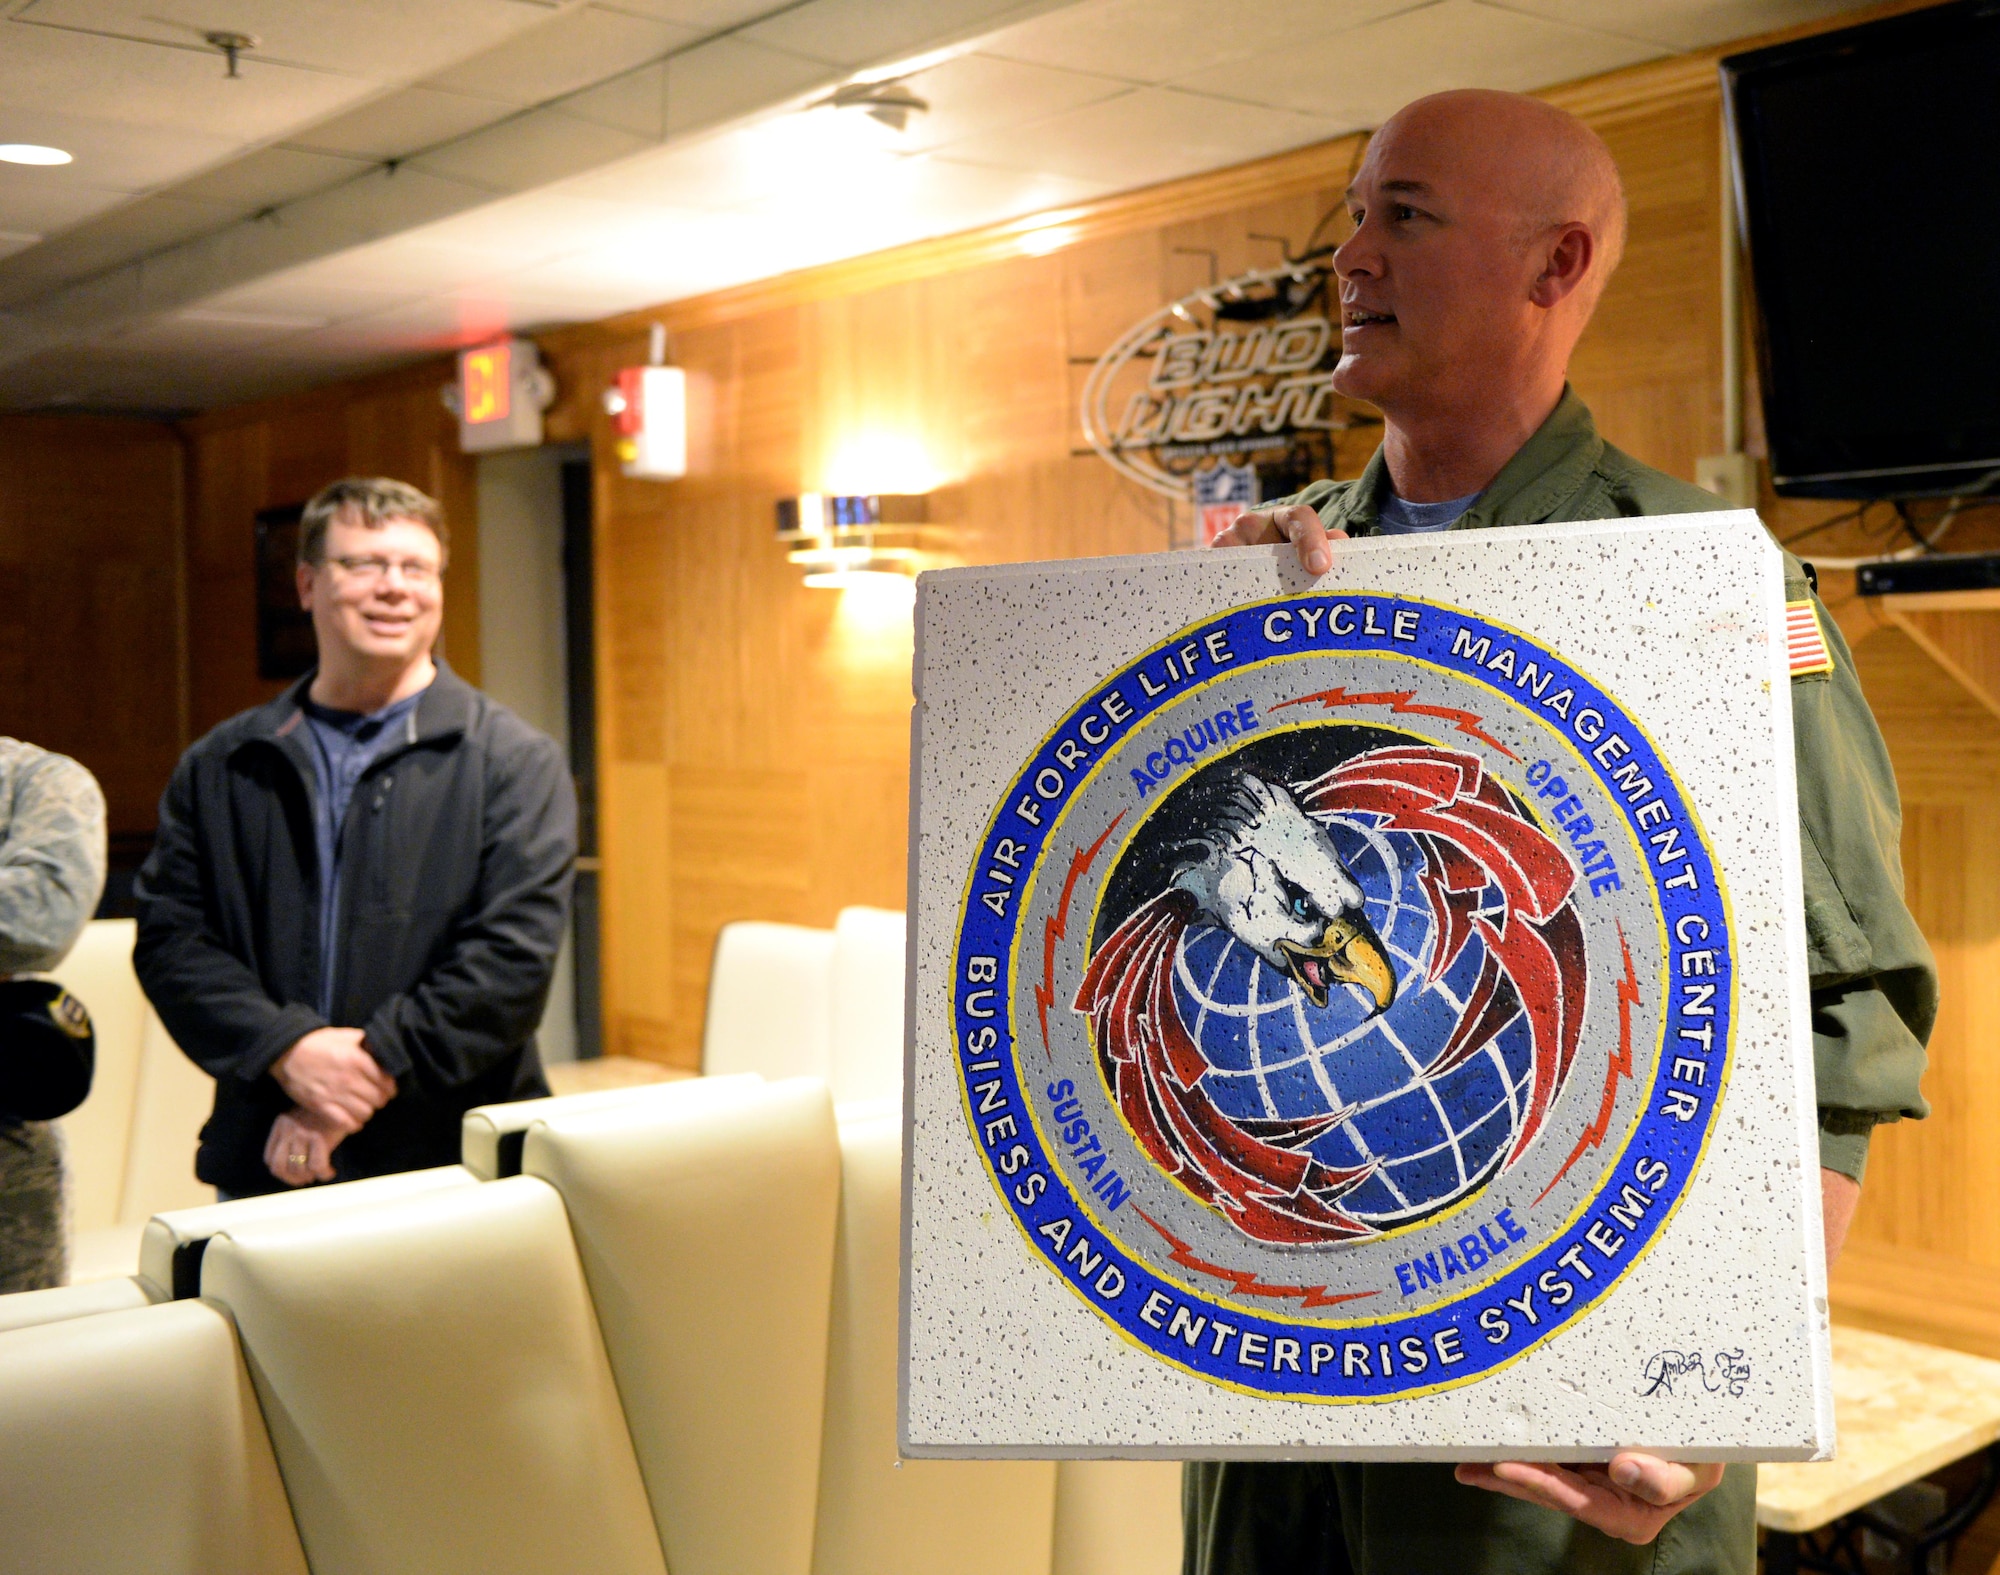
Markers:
(1805, 640)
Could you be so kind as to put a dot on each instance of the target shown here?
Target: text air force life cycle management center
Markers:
(1364, 1016)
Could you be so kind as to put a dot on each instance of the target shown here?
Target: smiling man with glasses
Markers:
(351, 915)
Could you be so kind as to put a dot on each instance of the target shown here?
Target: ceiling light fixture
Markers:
(889, 103)
(31, 153)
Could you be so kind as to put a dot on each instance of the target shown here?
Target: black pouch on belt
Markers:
(47, 1050)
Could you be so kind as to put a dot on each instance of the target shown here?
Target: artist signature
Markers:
(1726, 1371)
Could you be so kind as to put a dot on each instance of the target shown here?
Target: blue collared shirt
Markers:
(344, 745)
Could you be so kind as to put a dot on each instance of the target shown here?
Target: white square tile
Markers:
(1363, 76)
(1366, 1017)
(1146, 135)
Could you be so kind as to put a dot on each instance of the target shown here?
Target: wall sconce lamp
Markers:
(847, 541)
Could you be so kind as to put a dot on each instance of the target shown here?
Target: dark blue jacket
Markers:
(456, 860)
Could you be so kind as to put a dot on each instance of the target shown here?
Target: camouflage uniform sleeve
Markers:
(1874, 982)
(52, 856)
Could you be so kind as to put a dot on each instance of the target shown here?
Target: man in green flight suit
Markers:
(1486, 225)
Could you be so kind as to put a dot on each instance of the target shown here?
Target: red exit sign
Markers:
(486, 384)
(499, 396)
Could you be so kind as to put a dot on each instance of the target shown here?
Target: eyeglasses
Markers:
(372, 570)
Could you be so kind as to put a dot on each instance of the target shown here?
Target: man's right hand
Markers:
(330, 1073)
(1295, 523)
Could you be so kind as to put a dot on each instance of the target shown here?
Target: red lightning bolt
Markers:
(1242, 1281)
(1400, 700)
(1053, 930)
(1621, 1066)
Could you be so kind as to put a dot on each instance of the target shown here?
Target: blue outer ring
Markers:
(991, 1079)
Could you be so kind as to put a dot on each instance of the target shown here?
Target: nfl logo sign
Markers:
(1221, 492)
(1350, 1021)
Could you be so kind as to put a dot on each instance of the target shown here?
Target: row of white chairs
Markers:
(641, 1330)
(667, 1341)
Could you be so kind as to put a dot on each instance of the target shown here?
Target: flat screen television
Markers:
(1868, 181)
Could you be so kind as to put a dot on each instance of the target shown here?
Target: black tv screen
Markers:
(1868, 181)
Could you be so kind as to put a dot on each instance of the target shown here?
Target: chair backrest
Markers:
(171, 1250)
(706, 1232)
(877, 1517)
(173, 1099)
(866, 1016)
(97, 1135)
(436, 1387)
(1118, 1517)
(769, 997)
(491, 1136)
(24, 1309)
(132, 1441)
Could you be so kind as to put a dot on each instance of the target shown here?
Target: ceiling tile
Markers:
(49, 70)
(398, 267)
(46, 207)
(271, 176)
(634, 101)
(142, 226)
(385, 40)
(709, 16)
(108, 155)
(302, 293)
(1362, 77)
(580, 47)
(1683, 24)
(723, 170)
(1148, 135)
(729, 78)
(400, 123)
(854, 33)
(518, 155)
(1146, 41)
(976, 93)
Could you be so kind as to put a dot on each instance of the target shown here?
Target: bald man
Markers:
(1485, 227)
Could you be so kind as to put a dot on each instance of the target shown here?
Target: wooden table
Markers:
(1902, 1410)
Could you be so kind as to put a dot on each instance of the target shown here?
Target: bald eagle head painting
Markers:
(1332, 1006)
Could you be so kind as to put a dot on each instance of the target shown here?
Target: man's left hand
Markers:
(1631, 1499)
(300, 1148)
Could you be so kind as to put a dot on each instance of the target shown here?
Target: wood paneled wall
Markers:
(253, 457)
(91, 531)
(754, 743)
(755, 733)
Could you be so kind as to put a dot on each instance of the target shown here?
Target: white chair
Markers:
(128, 1148)
(769, 988)
(132, 1441)
(706, 1231)
(436, 1387)
(171, 1248)
(866, 1004)
(1118, 1517)
(491, 1136)
(25, 1309)
(917, 1517)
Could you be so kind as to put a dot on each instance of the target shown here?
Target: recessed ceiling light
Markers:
(31, 153)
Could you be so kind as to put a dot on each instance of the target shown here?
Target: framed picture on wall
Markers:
(285, 646)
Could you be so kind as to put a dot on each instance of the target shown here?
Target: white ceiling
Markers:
(385, 180)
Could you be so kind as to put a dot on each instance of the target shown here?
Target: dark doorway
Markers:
(581, 668)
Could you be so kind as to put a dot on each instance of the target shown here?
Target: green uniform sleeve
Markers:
(1874, 982)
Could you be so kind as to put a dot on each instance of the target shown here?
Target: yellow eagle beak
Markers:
(1348, 953)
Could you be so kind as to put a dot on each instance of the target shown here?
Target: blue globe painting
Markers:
(1272, 1054)
(1339, 1003)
